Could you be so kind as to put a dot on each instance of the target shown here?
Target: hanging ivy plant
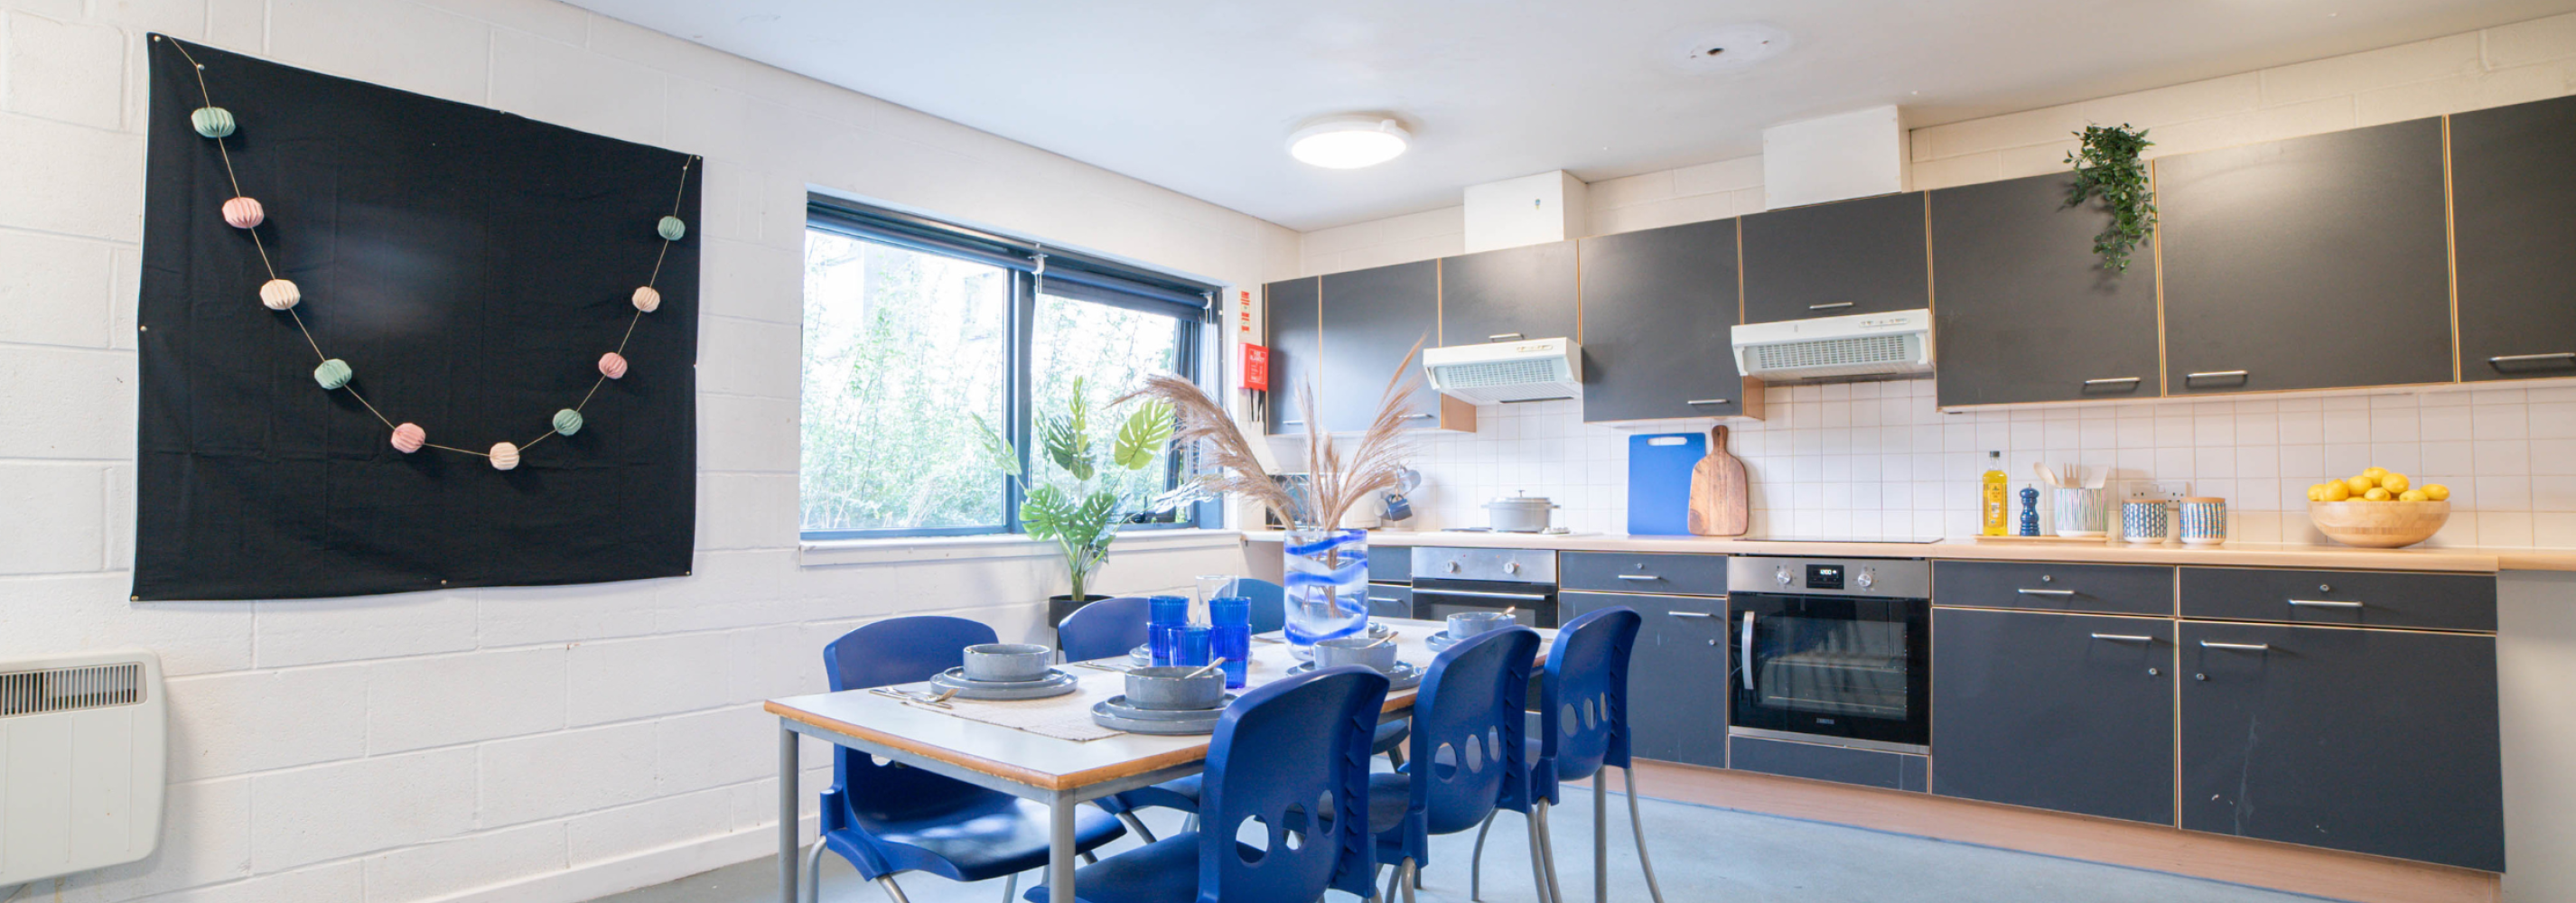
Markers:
(2107, 168)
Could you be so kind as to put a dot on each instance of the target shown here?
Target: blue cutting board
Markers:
(1659, 481)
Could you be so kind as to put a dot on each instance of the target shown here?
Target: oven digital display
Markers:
(1824, 576)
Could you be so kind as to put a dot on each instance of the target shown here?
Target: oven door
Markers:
(1530, 604)
(1831, 666)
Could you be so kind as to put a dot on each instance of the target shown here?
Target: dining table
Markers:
(1060, 772)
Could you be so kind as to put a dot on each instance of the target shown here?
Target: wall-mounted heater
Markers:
(82, 745)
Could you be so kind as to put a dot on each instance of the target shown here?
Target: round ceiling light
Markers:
(1349, 141)
(1728, 48)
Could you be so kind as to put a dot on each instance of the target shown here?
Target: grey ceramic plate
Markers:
(1116, 706)
(1307, 653)
(1406, 675)
(1204, 723)
(1056, 683)
(1439, 642)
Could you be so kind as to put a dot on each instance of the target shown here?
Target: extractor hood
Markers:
(1859, 346)
(1500, 372)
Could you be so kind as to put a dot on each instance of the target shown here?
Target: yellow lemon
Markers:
(2414, 495)
(2376, 494)
(2374, 472)
(2437, 492)
(2360, 485)
(2395, 482)
(2337, 491)
(2316, 492)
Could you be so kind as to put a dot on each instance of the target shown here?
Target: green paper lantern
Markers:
(567, 421)
(333, 373)
(212, 122)
(671, 228)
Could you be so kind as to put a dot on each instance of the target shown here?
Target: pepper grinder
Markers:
(2029, 511)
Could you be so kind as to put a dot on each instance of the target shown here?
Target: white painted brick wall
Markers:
(428, 745)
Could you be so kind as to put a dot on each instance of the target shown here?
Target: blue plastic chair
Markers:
(1288, 754)
(1104, 629)
(1269, 603)
(890, 819)
(1469, 756)
(1583, 703)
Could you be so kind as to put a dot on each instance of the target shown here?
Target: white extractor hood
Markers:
(1859, 346)
(1499, 372)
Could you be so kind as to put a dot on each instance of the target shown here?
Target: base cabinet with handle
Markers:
(1676, 677)
(2373, 741)
(2072, 713)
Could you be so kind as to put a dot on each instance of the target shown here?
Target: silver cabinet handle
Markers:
(2552, 356)
(1501, 336)
(1421, 416)
(1382, 599)
(1639, 577)
(1482, 594)
(2214, 374)
(1690, 614)
(1292, 423)
(1747, 658)
(2322, 603)
(2249, 647)
(2125, 637)
(2114, 381)
(1829, 306)
(1708, 401)
(2053, 593)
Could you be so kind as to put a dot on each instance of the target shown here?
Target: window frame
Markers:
(1027, 263)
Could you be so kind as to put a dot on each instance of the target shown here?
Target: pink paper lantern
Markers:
(504, 456)
(408, 437)
(243, 213)
(612, 365)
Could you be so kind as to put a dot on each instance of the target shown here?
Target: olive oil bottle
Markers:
(1994, 504)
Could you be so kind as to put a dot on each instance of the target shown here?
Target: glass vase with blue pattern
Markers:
(1326, 575)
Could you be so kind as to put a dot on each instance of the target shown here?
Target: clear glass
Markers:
(903, 350)
(1833, 666)
(1327, 583)
(1112, 350)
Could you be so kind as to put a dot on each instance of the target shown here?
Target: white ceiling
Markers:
(1199, 95)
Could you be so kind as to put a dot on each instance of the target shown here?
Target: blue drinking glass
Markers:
(1231, 636)
(1164, 614)
(1192, 645)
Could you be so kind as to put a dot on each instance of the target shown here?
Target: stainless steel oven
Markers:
(1832, 650)
(1447, 581)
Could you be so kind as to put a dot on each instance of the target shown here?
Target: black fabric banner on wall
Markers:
(471, 266)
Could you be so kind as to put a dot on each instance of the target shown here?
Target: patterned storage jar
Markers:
(2080, 512)
(2143, 522)
(2204, 521)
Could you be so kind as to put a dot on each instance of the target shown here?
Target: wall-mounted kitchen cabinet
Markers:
(2512, 190)
(1526, 292)
(1658, 305)
(2312, 263)
(1848, 257)
(2070, 713)
(2027, 311)
(1289, 308)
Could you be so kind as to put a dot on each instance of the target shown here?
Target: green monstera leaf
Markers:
(997, 450)
(1142, 437)
(1046, 513)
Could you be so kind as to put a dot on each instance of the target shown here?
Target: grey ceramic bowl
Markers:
(1165, 688)
(1378, 654)
(1008, 661)
(1470, 623)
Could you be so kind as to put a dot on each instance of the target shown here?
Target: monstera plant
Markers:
(1077, 505)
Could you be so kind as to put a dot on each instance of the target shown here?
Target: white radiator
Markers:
(82, 744)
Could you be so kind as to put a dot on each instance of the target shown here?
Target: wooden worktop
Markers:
(2237, 554)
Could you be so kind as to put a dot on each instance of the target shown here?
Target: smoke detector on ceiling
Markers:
(1725, 49)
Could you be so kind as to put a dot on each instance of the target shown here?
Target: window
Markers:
(915, 331)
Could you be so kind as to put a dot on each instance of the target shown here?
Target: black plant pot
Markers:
(1059, 607)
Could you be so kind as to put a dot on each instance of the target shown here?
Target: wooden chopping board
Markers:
(1718, 492)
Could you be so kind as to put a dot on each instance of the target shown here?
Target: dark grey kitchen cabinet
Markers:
(2399, 599)
(1676, 677)
(2511, 190)
(1370, 319)
(1390, 600)
(2073, 713)
(2027, 312)
(1295, 348)
(1658, 305)
(1526, 292)
(2373, 741)
(1848, 257)
(2316, 262)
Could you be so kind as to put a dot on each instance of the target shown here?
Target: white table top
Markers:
(1046, 762)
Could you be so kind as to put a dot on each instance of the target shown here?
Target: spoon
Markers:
(1204, 669)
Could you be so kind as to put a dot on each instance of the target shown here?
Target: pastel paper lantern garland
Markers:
(333, 374)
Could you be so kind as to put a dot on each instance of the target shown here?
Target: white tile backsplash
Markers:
(1880, 460)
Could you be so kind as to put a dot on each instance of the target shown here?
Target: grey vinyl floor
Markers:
(1701, 855)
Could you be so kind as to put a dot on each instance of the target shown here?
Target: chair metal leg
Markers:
(1137, 825)
(1411, 877)
(1538, 874)
(1476, 863)
(813, 872)
(892, 889)
(1601, 836)
(1547, 845)
(1395, 755)
(1011, 888)
(1628, 778)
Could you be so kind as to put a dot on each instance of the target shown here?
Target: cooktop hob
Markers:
(1902, 540)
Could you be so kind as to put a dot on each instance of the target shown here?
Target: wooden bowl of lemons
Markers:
(2378, 509)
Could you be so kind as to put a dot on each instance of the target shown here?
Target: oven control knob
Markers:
(1453, 567)
(1511, 567)
(1865, 578)
(1781, 575)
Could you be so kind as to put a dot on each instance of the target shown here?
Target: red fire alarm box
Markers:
(1256, 367)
